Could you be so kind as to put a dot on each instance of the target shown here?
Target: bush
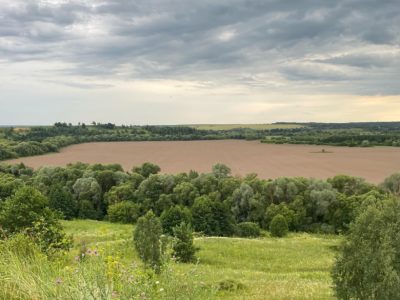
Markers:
(27, 212)
(49, 236)
(278, 226)
(147, 239)
(248, 229)
(123, 212)
(174, 216)
(367, 266)
(183, 247)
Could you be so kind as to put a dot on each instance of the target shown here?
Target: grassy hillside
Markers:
(295, 267)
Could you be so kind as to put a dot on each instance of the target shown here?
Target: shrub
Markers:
(49, 236)
(27, 212)
(174, 216)
(248, 229)
(183, 247)
(278, 226)
(147, 239)
(367, 266)
(123, 212)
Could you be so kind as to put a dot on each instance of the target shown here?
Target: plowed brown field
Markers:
(268, 161)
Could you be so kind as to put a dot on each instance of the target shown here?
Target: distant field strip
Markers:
(248, 126)
(243, 157)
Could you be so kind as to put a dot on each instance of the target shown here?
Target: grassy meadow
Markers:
(294, 267)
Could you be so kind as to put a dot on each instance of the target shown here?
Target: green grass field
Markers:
(248, 126)
(295, 267)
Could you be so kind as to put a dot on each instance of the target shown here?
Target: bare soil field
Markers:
(243, 157)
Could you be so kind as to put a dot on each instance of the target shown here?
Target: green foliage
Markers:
(278, 226)
(27, 212)
(147, 239)
(184, 193)
(48, 234)
(248, 229)
(23, 209)
(147, 169)
(183, 246)
(174, 216)
(221, 170)
(123, 212)
(392, 184)
(367, 266)
(8, 185)
(242, 201)
(86, 210)
(280, 209)
(211, 217)
(62, 200)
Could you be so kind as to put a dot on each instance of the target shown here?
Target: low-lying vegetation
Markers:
(178, 246)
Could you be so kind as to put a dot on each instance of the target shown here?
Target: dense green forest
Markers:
(215, 203)
(18, 142)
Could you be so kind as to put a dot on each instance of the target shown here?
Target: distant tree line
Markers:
(17, 142)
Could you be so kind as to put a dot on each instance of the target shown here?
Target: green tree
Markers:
(392, 184)
(278, 226)
(27, 212)
(280, 209)
(147, 169)
(183, 246)
(242, 200)
(147, 239)
(62, 200)
(221, 170)
(184, 193)
(367, 266)
(123, 212)
(174, 216)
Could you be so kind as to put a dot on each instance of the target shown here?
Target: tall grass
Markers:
(294, 267)
(25, 273)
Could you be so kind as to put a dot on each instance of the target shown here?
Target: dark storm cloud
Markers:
(222, 41)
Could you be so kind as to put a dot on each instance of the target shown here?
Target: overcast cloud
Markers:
(168, 62)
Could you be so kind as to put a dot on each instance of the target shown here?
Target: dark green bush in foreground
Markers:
(367, 266)
(27, 212)
(183, 247)
(278, 226)
(173, 217)
(248, 229)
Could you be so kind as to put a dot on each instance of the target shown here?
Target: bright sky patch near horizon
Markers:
(184, 62)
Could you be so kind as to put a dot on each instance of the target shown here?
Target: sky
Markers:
(191, 62)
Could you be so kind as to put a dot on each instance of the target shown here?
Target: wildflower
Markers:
(114, 294)
(96, 253)
(58, 281)
(77, 258)
(162, 290)
(89, 251)
(157, 282)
